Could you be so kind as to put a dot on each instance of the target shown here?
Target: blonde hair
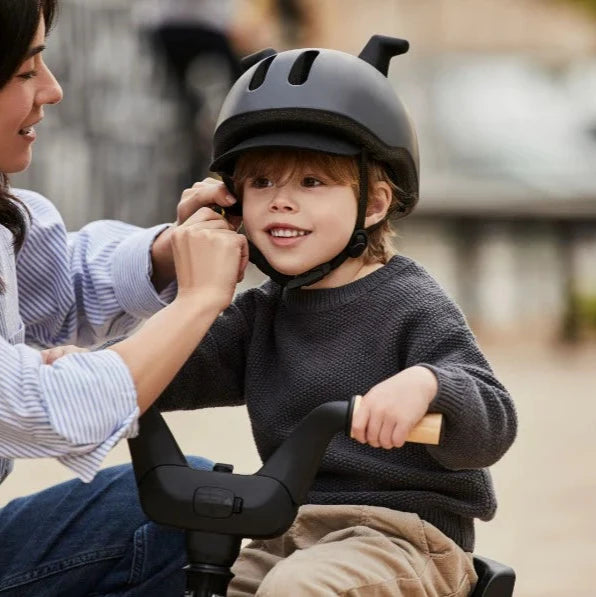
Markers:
(282, 164)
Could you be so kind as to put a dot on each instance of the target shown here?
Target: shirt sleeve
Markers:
(479, 417)
(75, 410)
(84, 287)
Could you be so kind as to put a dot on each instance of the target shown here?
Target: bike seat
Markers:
(494, 579)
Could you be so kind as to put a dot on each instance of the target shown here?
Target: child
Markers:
(320, 153)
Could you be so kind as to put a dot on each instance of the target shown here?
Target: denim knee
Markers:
(77, 538)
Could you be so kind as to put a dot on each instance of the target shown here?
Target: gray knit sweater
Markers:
(283, 352)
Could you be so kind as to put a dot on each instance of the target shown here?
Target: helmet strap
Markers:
(355, 247)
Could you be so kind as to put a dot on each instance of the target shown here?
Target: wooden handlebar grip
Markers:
(427, 431)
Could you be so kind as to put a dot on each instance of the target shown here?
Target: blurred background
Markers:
(503, 93)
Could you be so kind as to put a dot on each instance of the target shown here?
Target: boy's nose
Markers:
(282, 202)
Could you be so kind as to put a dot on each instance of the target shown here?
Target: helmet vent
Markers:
(260, 73)
(301, 68)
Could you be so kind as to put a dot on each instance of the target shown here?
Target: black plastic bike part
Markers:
(494, 579)
(296, 462)
(211, 556)
(174, 494)
(219, 508)
(259, 506)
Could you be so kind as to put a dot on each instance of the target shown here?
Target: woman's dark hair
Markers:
(19, 20)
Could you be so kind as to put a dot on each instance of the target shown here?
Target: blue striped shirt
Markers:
(70, 288)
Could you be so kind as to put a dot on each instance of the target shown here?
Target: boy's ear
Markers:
(378, 203)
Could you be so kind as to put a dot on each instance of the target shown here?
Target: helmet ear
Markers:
(380, 49)
(252, 59)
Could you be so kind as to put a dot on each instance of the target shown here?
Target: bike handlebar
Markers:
(258, 506)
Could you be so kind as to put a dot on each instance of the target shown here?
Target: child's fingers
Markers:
(373, 429)
(360, 422)
(385, 438)
(399, 436)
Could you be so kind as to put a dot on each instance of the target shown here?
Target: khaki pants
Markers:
(354, 551)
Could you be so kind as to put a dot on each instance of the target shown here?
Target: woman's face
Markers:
(21, 106)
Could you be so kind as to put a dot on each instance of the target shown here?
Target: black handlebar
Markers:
(218, 508)
(257, 506)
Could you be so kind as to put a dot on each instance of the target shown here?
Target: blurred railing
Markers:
(114, 147)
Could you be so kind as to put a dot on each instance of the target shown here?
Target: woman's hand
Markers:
(49, 355)
(210, 257)
(202, 194)
(391, 409)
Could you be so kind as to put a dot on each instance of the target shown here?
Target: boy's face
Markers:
(300, 222)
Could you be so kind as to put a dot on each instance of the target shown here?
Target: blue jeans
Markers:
(93, 539)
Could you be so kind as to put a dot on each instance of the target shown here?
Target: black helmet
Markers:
(323, 100)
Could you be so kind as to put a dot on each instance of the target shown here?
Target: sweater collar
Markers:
(323, 299)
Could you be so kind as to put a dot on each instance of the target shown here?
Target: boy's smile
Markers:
(284, 234)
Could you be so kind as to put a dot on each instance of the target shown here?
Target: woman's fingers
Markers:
(208, 260)
(50, 355)
(244, 254)
(202, 194)
(208, 218)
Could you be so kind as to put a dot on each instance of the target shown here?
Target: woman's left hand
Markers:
(202, 194)
(390, 410)
(50, 355)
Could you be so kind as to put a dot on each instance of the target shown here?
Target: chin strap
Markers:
(355, 247)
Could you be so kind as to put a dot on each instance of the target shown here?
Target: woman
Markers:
(76, 538)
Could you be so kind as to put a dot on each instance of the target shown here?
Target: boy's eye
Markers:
(261, 182)
(311, 181)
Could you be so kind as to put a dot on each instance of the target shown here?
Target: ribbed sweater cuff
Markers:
(451, 394)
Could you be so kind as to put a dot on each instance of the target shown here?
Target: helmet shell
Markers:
(327, 93)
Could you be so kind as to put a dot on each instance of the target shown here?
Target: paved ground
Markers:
(546, 525)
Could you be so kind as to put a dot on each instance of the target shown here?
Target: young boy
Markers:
(320, 153)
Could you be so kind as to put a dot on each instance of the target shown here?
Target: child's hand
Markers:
(390, 410)
(50, 355)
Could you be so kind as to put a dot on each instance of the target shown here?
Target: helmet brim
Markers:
(294, 140)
